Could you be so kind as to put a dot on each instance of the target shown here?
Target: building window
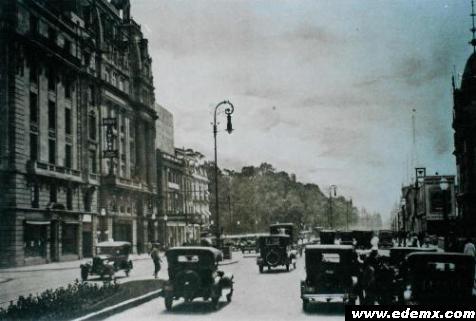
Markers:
(33, 71)
(92, 125)
(35, 196)
(33, 108)
(67, 88)
(53, 193)
(67, 121)
(52, 35)
(69, 198)
(51, 115)
(52, 151)
(33, 147)
(35, 240)
(68, 157)
(92, 161)
(33, 24)
(91, 99)
(69, 239)
(51, 79)
(67, 46)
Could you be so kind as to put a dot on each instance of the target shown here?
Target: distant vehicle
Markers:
(385, 238)
(331, 275)
(327, 237)
(346, 238)
(111, 257)
(275, 250)
(363, 239)
(438, 278)
(193, 273)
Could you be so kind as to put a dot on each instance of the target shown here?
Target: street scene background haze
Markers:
(322, 89)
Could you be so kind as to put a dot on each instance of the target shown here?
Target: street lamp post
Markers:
(229, 128)
(404, 236)
(444, 185)
(332, 188)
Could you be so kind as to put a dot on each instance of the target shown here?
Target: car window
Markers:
(188, 258)
(272, 241)
(330, 258)
(441, 267)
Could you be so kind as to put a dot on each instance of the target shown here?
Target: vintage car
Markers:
(398, 254)
(193, 273)
(363, 239)
(284, 228)
(275, 250)
(346, 238)
(385, 239)
(111, 256)
(438, 278)
(327, 237)
(331, 275)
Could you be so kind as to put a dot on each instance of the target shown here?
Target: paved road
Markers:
(268, 296)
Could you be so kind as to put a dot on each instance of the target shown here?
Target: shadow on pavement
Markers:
(326, 309)
(194, 307)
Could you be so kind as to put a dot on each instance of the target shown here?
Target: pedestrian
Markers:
(469, 248)
(155, 255)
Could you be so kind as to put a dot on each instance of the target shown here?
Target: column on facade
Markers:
(110, 226)
(134, 235)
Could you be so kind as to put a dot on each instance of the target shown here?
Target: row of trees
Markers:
(255, 197)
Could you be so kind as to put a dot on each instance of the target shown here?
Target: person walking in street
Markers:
(155, 255)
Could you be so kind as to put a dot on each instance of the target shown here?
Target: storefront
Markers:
(122, 230)
(35, 239)
(69, 240)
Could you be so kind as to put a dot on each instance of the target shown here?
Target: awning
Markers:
(38, 222)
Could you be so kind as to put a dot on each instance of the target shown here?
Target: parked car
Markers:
(193, 273)
(111, 257)
(327, 237)
(385, 238)
(438, 278)
(275, 250)
(331, 275)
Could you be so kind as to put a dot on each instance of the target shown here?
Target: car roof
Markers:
(275, 235)
(113, 243)
(327, 231)
(281, 224)
(194, 249)
(439, 256)
(328, 247)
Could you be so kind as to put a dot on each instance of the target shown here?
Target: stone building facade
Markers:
(67, 66)
(464, 125)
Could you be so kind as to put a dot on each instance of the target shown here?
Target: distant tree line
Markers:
(255, 197)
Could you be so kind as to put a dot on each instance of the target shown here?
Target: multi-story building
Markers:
(195, 192)
(427, 209)
(68, 65)
(464, 125)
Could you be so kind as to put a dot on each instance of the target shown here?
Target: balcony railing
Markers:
(52, 170)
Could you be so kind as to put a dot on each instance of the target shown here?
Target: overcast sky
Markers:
(322, 89)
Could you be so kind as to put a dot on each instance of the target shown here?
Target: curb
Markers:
(228, 263)
(58, 268)
(106, 312)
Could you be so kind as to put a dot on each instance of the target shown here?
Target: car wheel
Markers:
(168, 303)
(229, 295)
(260, 269)
(84, 274)
(305, 305)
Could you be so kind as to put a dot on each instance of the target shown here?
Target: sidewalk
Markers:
(68, 265)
